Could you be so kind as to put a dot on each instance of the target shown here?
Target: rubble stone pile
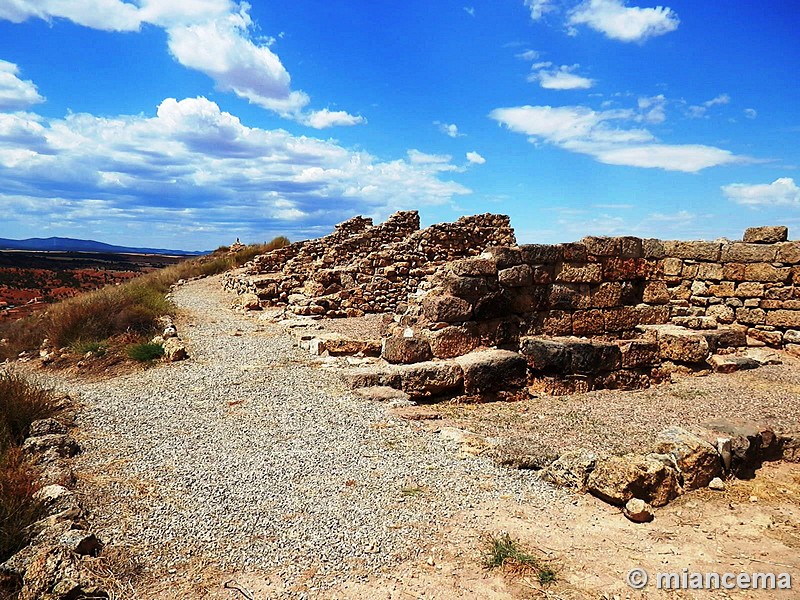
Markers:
(364, 268)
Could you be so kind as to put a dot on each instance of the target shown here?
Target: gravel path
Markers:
(249, 457)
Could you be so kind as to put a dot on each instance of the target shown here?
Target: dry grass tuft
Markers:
(507, 554)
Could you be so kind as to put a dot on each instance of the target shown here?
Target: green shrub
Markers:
(145, 352)
(504, 552)
(81, 347)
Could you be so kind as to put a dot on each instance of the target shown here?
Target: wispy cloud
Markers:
(596, 133)
(470, 10)
(781, 192)
(449, 129)
(539, 8)
(214, 37)
(618, 21)
(750, 113)
(700, 111)
(16, 93)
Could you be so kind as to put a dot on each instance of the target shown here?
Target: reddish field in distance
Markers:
(30, 280)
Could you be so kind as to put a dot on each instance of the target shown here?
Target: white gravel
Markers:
(248, 457)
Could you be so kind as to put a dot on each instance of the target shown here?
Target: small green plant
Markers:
(503, 552)
(412, 490)
(145, 352)
(96, 348)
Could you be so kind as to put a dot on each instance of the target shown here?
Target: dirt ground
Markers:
(753, 526)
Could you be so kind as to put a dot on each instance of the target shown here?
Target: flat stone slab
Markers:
(492, 370)
(730, 363)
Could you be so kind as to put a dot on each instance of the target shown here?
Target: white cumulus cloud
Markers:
(600, 134)
(561, 78)
(618, 21)
(449, 129)
(322, 119)
(214, 37)
(475, 158)
(539, 8)
(16, 93)
(199, 173)
(781, 192)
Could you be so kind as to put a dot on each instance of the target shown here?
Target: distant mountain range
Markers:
(59, 244)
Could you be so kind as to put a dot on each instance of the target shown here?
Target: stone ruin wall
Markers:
(366, 268)
(539, 299)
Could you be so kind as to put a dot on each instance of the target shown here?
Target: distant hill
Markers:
(59, 244)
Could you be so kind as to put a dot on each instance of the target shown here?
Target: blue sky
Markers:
(187, 124)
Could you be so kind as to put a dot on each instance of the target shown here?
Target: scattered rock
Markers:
(81, 542)
(56, 499)
(766, 235)
(617, 479)
(697, 460)
(729, 363)
(716, 484)
(406, 350)
(174, 350)
(638, 511)
(492, 370)
(571, 469)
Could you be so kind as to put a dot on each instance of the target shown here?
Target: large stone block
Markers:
(624, 318)
(493, 306)
(748, 253)
(505, 256)
(751, 316)
(724, 289)
(575, 252)
(517, 276)
(579, 273)
(766, 272)
(766, 235)
(602, 246)
(541, 254)
(789, 252)
(448, 309)
(625, 269)
(453, 341)
(653, 248)
(678, 344)
(606, 295)
(588, 322)
(492, 370)
(638, 353)
(656, 292)
(557, 322)
(430, 378)
(474, 267)
(617, 479)
(707, 251)
(710, 271)
(569, 296)
(622, 379)
(468, 288)
(631, 247)
(698, 461)
(545, 355)
(559, 385)
(783, 318)
(405, 350)
(593, 357)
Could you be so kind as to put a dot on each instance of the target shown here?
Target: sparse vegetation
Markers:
(145, 352)
(504, 552)
(129, 308)
(82, 348)
(21, 403)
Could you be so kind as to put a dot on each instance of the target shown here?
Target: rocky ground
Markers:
(250, 465)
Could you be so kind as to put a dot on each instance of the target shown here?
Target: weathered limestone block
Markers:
(579, 273)
(656, 292)
(770, 338)
(722, 313)
(588, 322)
(557, 322)
(653, 248)
(447, 309)
(724, 289)
(678, 344)
(492, 370)
(707, 251)
(606, 295)
(559, 385)
(430, 378)
(474, 267)
(401, 349)
(505, 256)
(622, 269)
(710, 271)
(467, 288)
(602, 246)
(575, 252)
(698, 461)
(783, 318)
(541, 254)
(453, 341)
(789, 252)
(748, 253)
(766, 235)
(622, 379)
(517, 276)
(730, 363)
(569, 296)
(623, 318)
(631, 247)
(766, 272)
(617, 479)
(593, 357)
(638, 353)
(751, 316)
(571, 469)
(545, 355)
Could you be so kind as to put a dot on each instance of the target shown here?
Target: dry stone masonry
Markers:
(364, 268)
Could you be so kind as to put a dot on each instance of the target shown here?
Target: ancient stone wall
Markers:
(609, 312)
(372, 269)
